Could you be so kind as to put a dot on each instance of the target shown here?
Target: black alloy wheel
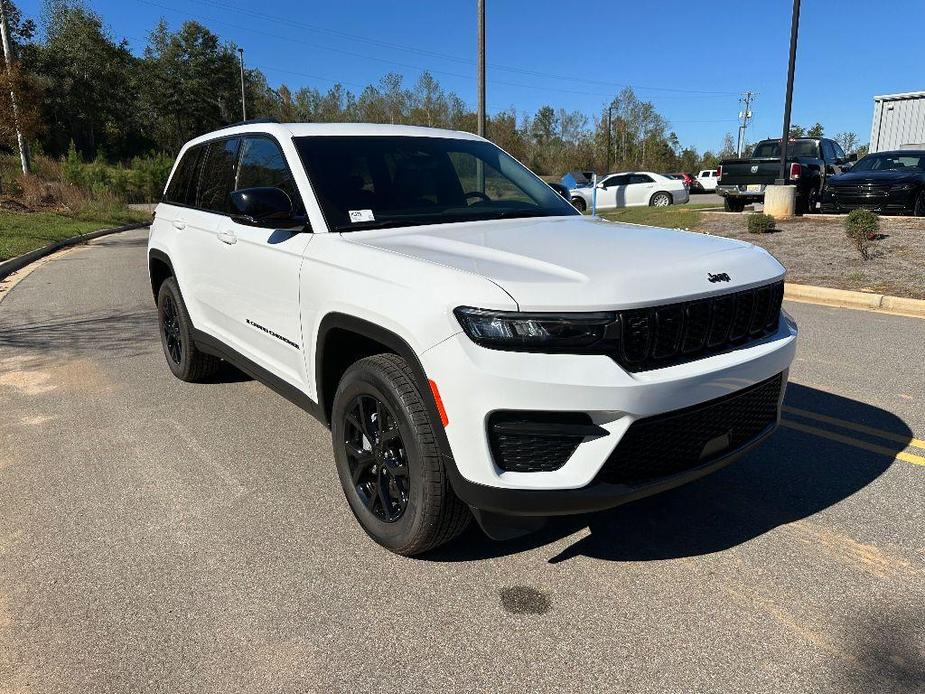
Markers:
(171, 327)
(184, 359)
(377, 457)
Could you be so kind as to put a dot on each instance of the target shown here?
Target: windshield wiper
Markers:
(513, 214)
(372, 224)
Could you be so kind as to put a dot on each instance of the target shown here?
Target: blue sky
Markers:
(691, 58)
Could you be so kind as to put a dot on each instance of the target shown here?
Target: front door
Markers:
(261, 269)
(613, 192)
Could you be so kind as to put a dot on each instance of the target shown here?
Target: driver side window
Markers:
(497, 186)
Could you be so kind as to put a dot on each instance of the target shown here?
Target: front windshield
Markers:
(913, 162)
(364, 182)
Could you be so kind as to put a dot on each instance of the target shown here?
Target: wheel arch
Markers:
(659, 192)
(159, 269)
(342, 340)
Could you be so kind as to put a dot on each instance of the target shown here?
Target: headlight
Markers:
(540, 332)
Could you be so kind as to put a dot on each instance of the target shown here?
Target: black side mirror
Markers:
(263, 207)
(853, 156)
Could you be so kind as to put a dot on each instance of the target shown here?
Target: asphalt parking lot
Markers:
(160, 536)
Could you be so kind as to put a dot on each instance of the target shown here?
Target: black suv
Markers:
(883, 182)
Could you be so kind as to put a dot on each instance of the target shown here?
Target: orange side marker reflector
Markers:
(439, 402)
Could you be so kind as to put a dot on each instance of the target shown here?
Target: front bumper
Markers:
(474, 382)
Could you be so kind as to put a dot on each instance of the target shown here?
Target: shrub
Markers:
(759, 223)
(861, 228)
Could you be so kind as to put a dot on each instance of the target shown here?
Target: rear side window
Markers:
(262, 164)
(217, 178)
(640, 178)
(182, 187)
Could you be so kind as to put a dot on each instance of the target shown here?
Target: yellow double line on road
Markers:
(907, 441)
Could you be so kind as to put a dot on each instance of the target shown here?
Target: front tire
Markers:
(388, 460)
(579, 204)
(185, 361)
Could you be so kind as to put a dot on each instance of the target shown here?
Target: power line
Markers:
(290, 22)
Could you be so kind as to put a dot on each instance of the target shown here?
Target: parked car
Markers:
(686, 177)
(884, 182)
(632, 189)
(476, 350)
(705, 181)
(810, 161)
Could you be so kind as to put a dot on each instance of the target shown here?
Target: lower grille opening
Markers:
(528, 441)
(673, 442)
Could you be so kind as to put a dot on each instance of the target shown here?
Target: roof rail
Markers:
(252, 121)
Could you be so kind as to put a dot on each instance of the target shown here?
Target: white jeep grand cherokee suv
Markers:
(476, 346)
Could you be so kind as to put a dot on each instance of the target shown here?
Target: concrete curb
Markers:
(8, 267)
(863, 301)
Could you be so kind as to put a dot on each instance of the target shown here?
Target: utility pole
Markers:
(8, 58)
(785, 137)
(243, 104)
(479, 166)
(481, 80)
(609, 112)
(745, 116)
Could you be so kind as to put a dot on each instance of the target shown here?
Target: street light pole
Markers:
(243, 104)
(785, 137)
(8, 58)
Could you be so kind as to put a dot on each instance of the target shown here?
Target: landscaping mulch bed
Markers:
(816, 251)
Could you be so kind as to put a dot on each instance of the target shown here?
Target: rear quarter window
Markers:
(183, 184)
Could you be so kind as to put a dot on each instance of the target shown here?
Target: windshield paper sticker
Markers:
(361, 216)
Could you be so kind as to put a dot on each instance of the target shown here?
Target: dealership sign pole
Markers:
(785, 138)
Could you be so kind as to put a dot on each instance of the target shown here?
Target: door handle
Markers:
(228, 237)
(179, 224)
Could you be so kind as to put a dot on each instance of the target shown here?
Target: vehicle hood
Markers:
(583, 263)
(891, 177)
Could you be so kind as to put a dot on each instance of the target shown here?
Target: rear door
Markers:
(639, 190)
(261, 266)
(192, 233)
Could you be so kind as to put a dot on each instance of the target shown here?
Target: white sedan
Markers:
(632, 189)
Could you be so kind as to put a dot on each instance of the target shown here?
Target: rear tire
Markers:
(579, 204)
(733, 204)
(388, 460)
(660, 199)
(186, 362)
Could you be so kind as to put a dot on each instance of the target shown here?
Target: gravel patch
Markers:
(816, 251)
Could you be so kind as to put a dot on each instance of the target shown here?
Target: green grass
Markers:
(672, 217)
(21, 232)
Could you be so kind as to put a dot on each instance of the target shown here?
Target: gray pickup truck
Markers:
(810, 161)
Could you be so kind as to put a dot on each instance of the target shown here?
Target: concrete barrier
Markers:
(780, 201)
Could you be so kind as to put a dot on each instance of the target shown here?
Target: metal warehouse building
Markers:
(899, 119)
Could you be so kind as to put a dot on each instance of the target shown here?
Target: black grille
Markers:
(677, 441)
(523, 441)
(664, 335)
(863, 189)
